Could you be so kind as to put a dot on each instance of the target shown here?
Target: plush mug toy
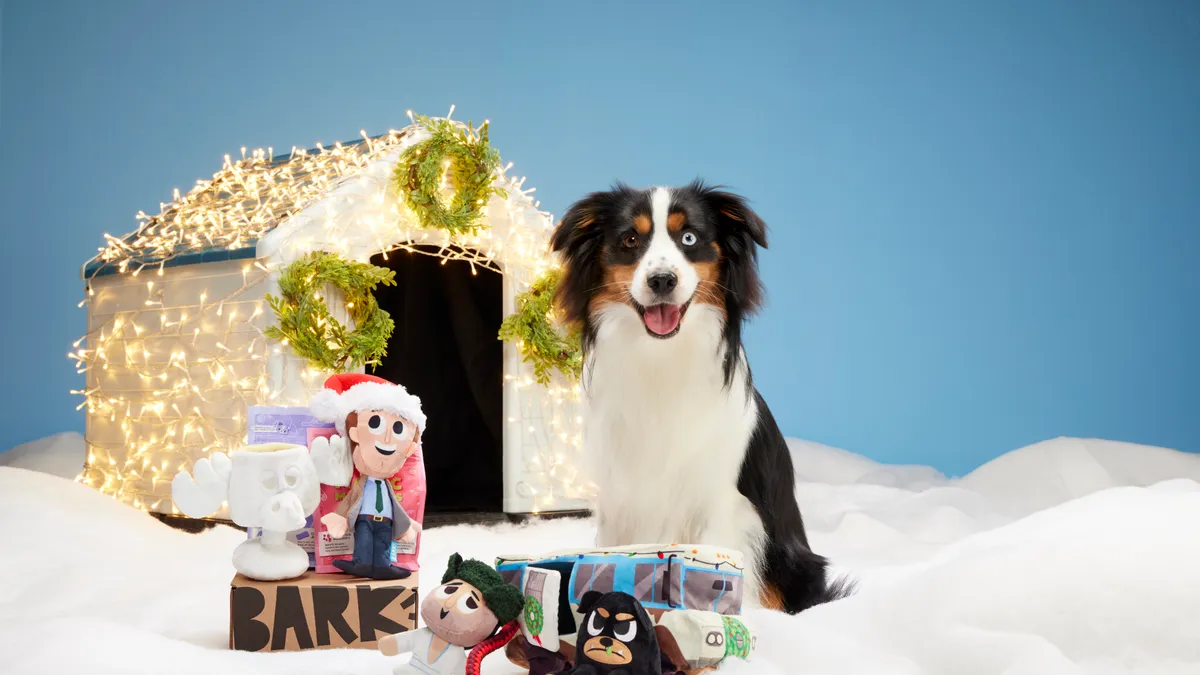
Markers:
(465, 611)
(272, 486)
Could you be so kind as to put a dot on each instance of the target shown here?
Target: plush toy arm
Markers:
(331, 456)
(400, 643)
(202, 493)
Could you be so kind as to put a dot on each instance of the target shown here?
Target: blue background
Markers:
(985, 216)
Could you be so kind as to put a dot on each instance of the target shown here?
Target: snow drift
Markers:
(1068, 556)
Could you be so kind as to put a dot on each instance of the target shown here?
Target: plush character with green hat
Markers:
(465, 611)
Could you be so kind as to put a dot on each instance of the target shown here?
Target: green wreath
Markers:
(737, 638)
(304, 322)
(464, 152)
(534, 616)
(540, 344)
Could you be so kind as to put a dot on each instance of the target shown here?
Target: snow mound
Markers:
(1054, 471)
(1071, 556)
(59, 455)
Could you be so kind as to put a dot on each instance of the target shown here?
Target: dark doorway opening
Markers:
(446, 351)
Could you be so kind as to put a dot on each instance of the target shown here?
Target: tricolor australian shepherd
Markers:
(681, 444)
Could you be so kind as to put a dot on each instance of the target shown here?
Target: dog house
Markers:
(176, 350)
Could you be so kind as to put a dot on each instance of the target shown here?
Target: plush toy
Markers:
(691, 639)
(379, 426)
(272, 486)
(464, 612)
(616, 637)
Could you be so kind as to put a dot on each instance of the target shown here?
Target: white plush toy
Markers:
(272, 486)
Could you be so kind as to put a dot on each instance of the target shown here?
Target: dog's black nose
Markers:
(605, 642)
(662, 282)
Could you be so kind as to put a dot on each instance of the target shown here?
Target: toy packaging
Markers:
(281, 424)
(373, 477)
(473, 609)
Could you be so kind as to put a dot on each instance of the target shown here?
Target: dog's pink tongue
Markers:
(662, 319)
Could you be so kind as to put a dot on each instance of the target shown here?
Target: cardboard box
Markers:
(319, 611)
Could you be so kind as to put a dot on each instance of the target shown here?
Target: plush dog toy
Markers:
(616, 637)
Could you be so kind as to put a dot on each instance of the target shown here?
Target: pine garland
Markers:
(304, 321)
(540, 344)
(469, 159)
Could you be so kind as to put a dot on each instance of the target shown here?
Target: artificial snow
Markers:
(59, 455)
(1068, 556)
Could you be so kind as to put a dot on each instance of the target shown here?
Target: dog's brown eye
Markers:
(630, 241)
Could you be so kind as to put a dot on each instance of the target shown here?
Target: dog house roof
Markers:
(224, 217)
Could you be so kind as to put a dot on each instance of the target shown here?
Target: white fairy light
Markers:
(197, 381)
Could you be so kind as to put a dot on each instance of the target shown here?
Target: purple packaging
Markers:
(282, 424)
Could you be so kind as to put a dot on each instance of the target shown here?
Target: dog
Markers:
(678, 441)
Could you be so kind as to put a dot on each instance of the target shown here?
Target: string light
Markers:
(171, 368)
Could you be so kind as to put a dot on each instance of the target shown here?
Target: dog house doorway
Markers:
(446, 351)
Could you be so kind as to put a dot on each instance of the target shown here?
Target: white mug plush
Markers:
(272, 486)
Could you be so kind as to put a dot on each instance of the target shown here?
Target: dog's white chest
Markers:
(665, 442)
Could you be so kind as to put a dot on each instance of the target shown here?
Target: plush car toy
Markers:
(616, 638)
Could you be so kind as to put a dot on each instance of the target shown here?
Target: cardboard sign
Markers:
(318, 611)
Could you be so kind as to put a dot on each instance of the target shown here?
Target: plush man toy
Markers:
(464, 612)
(616, 637)
(379, 425)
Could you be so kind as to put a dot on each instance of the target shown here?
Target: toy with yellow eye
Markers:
(473, 608)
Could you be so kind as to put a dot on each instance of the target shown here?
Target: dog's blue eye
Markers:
(689, 238)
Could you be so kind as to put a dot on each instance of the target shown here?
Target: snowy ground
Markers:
(1069, 556)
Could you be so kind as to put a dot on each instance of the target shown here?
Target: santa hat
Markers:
(350, 392)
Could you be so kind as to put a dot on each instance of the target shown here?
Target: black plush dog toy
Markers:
(616, 637)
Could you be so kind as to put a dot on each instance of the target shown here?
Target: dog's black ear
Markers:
(579, 238)
(740, 231)
(734, 215)
(580, 223)
(589, 600)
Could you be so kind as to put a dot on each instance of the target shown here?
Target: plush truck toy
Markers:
(692, 593)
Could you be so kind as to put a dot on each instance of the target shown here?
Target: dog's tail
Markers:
(795, 579)
(836, 589)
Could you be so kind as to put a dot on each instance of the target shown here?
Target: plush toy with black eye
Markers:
(616, 637)
(474, 607)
